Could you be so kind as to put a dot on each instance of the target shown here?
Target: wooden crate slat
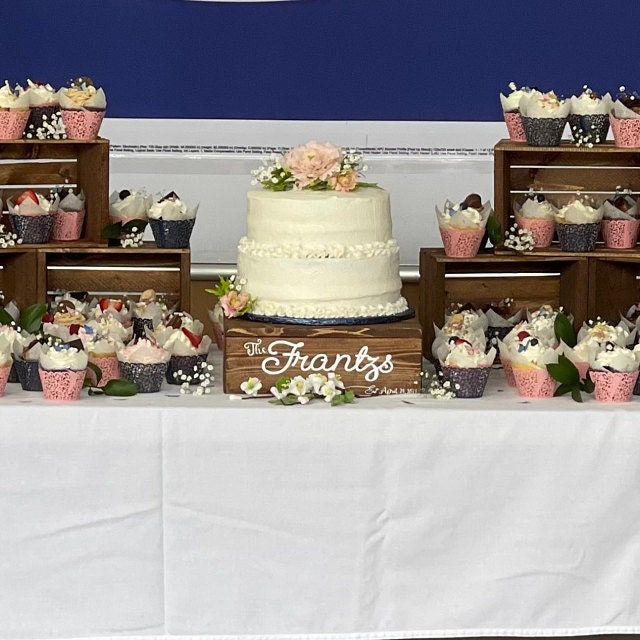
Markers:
(578, 179)
(36, 173)
(19, 277)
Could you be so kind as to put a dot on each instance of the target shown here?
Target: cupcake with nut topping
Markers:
(83, 107)
(544, 117)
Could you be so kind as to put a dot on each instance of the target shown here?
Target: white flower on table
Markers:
(298, 386)
(303, 399)
(278, 395)
(251, 387)
(317, 380)
(329, 391)
(336, 380)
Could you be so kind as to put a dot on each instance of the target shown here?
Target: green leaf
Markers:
(575, 394)
(564, 330)
(336, 400)
(349, 396)
(112, 231)
(282, 383)
(5, 317)
(31, 317)
(120, 387)
(129, 226)
(94, 391)
(562, 389)
(289, 400)
(564, 371)
(587, 384)
(494, 230)
(96, 370)
(368, 185)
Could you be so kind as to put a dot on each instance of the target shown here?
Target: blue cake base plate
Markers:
(328, 322)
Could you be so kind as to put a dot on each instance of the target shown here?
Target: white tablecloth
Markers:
(393, 518)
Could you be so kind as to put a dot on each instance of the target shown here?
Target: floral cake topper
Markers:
(316, 166)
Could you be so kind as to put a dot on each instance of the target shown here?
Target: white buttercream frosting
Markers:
(6, 349)
(172, 209)
(457, 217)
(602, 332)
(143, 352)
(29, 208)
(134, 207)
(467, 356)
(178, 344)
(81, 98)
(577, 212)
(104, 347)
(304, 251)
(41, 95)
(10, 99)
(63, 358)
(533, 209)
(544, 105)
(588, 103)
(616, 358)
(511, 102)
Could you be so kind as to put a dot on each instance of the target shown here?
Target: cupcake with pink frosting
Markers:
(62, 371)
(144, 363)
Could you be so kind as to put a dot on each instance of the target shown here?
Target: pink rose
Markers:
(345, 181)
(313, 161)
(233, 303)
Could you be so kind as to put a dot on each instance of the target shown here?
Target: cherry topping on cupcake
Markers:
(196, 340)
(29, 194)
(105, 303)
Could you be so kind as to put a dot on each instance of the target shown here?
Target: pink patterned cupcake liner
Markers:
(67, 225)
(508, 372)
(514, 126)
(82, 125)
(533, 382)
(461, 243)
(613, 386)
(626, 131)
(109, 366)
(62, 386)
(12, 124)
(542, 229)
(620, 234)
(4, 377)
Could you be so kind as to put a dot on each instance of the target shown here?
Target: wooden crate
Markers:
(42, 164)
(115, 271)
(559, 172)
(19, 278)
(531, 280)
(268, 351)
(614, 284)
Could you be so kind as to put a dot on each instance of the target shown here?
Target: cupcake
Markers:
(188, 349)
(126, 206)
(544, 117)
(26, 358)
(147, 313)
(625, 119)
(68, 221)
(33, 216)
(172, 222)
(14, 112)
(82, 107)
(6, 361)
(145, 364)
(501, 320)
(614, 372)
(529, 358)
(620, 222)
(511, 111)
(589, 117)
(45, 120)
(601, 332)
(102, 352)
(62, 372)
(112, 323)
(462, 226)
(66, 314)
(580, 355)
(578, 226)
(537, 215)
(466, 367)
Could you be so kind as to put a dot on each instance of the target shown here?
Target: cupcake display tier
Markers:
(32, 274)
(42, 164)
(559, 172)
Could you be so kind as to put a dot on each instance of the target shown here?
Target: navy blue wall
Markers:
(320, 59)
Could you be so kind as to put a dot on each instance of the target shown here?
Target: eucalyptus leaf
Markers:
(120, 387)
(5, 317)
(564, 330)
(31, 317)
(96, 370)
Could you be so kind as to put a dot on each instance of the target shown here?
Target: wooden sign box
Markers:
(375, 359)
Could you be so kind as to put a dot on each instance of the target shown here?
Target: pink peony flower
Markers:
(234, 304)
(313, 161)
(345, 181)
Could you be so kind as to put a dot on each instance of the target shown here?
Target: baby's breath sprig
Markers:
(272, 175)
(518, 239)
(133, 238)
(435, 386)
(50, 128)
(201, 375)
(7, 238)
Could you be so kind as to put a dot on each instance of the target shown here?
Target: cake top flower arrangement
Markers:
(314, 166)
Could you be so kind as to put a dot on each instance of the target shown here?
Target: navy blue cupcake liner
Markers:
(579, 238)
(599, 122)
(33, 229)
(28, 375)
(472, 381)
(172, 234)
(185, 364)
(543, 132)
(147, 377)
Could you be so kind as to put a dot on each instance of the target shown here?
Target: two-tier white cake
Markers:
(321, 254)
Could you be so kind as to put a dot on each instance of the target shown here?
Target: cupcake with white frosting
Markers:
(32, 216)
(14, 112)
(625, 119)
(544, 117)
(126, 206)
(144, 363)
(466, 367)
(83, 107)
(69, 217)
(578, 225)
(26, 358)
(511, 110)
(172, 221)
(62, 371)
(462, 225)
(6, 361)
(103, 353)
(529, 358)
(614, 371)
(537, 215)
(45, 120)
(589, 117)
(188, 347)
